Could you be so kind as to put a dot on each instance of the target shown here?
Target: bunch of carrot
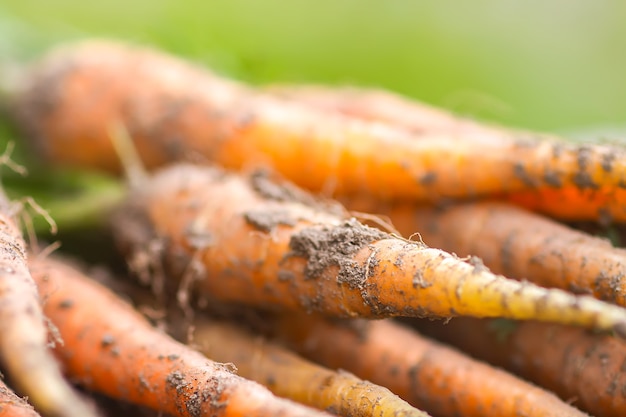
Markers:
(288, 269)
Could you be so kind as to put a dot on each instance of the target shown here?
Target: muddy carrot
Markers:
(110, 348)
(570, 203)
(265, 243)
(516, 243)
(13, 406)
(73, 98)
(586, 369)
(288, 375)
(24, 332)
(427, 374)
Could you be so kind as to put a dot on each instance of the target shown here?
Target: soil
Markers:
(324, 246)
(266, 220)
(269, 187)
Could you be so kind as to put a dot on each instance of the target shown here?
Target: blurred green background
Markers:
(551, 65)
(556, 65)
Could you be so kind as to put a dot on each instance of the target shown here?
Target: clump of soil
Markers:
(324, 246)
(267, 220)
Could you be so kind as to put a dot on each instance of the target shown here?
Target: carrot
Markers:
(516, 243)
(72, 99)
(427, 374)
(13, 406)
(583, 368)
(269, 244)
(110, 348)
(570, 203)
(24, 332)
(288, 375)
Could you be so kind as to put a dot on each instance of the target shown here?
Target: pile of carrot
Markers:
(263, 231)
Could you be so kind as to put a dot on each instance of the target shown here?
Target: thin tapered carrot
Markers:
(569, 202)
(72, 99)
(269, 244)
(427, 374)
(586, 369)
(110, 348)
(288, 375)
(13, 406)
(24, 332)
(516, 243)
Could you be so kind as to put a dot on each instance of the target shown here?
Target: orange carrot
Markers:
(516, 243)
(583, 368)
(288, 375)
(269, 244)
(568, 202)
(74, 97)
(110, 348)
(13, 406)
(427, 374)
(24, 332)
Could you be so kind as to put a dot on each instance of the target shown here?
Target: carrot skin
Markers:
(581, 367)
(270, 245)
(121, 355)
(177, 113)
(427, 374)
(13, 406)
(288, 375)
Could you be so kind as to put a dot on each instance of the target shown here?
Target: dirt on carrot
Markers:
(180, 112)
(121, 355)
(583, 368)
(325, 262)
(427, 374)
